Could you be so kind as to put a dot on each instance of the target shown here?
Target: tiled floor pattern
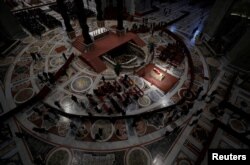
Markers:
(121, 139)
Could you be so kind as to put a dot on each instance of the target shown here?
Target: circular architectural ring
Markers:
(56, 61)
(237, 125)
(184, 161)
(24, 95)
(61, 156)
(121, 130)
(137, 156)
(137, 81)
(81, 84)
(66, 101)
(183, 92)
(104, 126)
(144, 101)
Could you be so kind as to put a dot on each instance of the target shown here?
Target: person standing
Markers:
(57, 104)
(64, 56)
(38, 55)
(45, 75)
(40, 78)
(33, 56)
(74, 98)
(103, 79)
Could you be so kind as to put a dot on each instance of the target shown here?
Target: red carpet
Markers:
(165, 85)
(102, 46)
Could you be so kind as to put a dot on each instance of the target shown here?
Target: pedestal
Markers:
(71, 35)
(120, 32)
(101, 23)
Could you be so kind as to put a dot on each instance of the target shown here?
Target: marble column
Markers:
(82, 18)
(100, 20)
(63, 11)
(120, 15)
(130, 5)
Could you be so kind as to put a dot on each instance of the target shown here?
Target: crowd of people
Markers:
(30, 23)
(35, 20)
(147, 27)
(173, 53)
(36, 56)
(125, 91)
(70, 11)
(46, 77)
(120, 95)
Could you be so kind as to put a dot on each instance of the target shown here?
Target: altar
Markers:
(157, 74)
(158, 77)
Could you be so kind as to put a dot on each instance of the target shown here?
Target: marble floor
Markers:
(154, 129)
